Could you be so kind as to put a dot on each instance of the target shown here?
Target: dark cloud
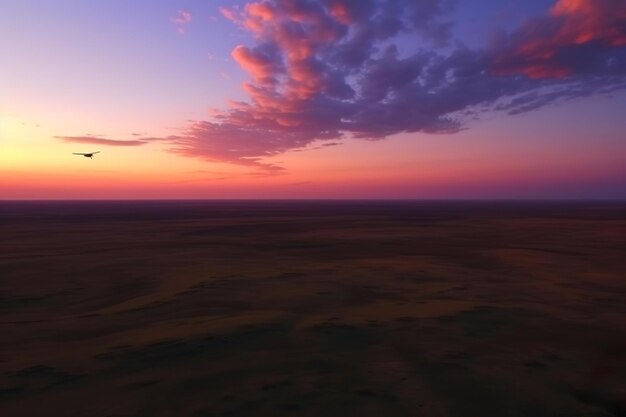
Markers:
(577, 37)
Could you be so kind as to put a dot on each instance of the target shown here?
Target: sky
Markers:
(313, 99)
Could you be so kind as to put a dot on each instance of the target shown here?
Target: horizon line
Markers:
(398, 199)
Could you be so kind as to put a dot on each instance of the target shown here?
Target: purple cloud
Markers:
(576, 37)
(324, 69)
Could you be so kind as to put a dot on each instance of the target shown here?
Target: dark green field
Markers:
(312, 309)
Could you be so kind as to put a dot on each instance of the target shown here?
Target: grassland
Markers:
(120, 309)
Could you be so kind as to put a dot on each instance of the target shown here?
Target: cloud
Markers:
(318, 70)
(103, 141)
(181, 19)
(225, 142)
(322, 70)
(261, 63)
(230, 14)
(576, 37)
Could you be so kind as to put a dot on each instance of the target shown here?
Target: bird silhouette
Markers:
(86, 155)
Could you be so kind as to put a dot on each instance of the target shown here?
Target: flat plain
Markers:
(312, 308)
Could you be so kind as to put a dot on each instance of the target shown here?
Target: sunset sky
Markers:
(419, 99)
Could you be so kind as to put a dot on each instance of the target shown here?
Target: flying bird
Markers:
(86, 155)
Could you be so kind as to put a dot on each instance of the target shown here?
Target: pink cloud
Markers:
(102, 141)
(181, 19)
(261, 65)
(230, 14)
(232, 143)
(263, 11)
(340, 12)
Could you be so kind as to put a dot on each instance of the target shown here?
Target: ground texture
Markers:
(312, 309)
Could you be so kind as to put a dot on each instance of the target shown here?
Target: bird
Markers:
(86, 155)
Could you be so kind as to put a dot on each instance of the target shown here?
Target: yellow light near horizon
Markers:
(8, 128)
(14, 143)
(32, 157)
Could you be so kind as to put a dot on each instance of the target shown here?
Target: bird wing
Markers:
(95, 152)
(78, 153)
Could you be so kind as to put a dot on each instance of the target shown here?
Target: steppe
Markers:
(312, 308)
